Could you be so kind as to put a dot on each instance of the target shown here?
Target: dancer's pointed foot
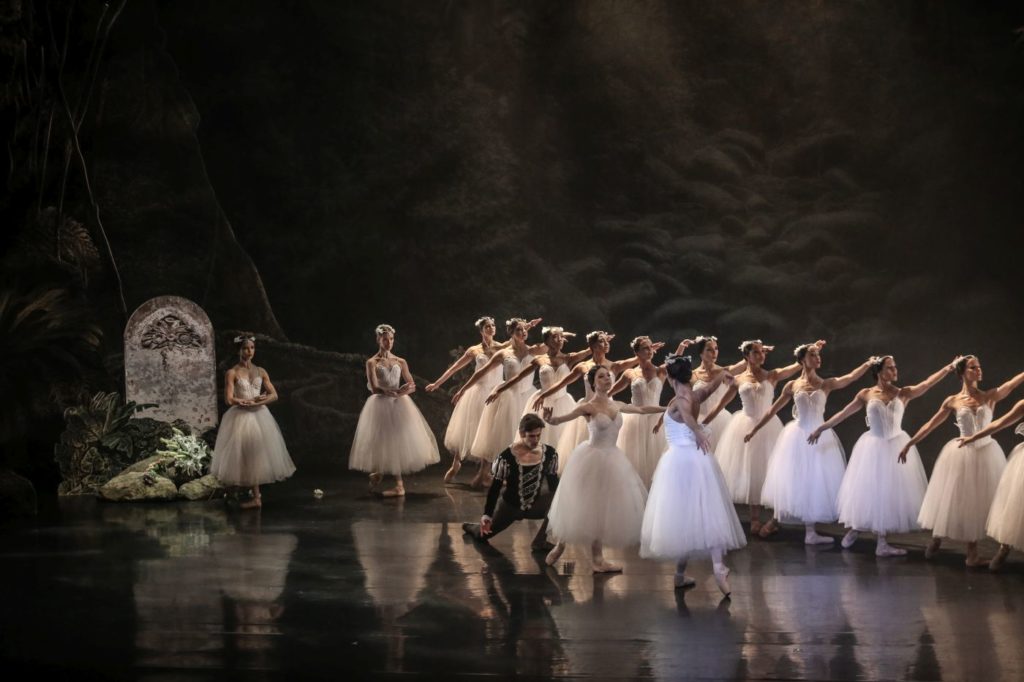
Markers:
(555, 554)
(452, 470)
(602, 566)
(768, 529)
(812, 538)
(933, 548)
(999, 559)
(722, 580)
(397, 491)
(888, 550)
(849, 538)
(755, 527)
(375, 480)
(975, 561)
(683, 581)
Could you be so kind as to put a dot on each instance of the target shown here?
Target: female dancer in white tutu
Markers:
(576, 431)
(745, 463)
(551, 368)
(706, 348)
(1006, 517)
(690, 509)
(249, 450)
(600, 498)
(466, 416)
(803, 479)
(880, 492)
(638, 438)
(392, 437)
(499, 419)
(964, 480)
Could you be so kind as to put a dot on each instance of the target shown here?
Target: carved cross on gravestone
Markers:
(169, 360)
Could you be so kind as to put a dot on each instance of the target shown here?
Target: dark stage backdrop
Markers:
(785, 170)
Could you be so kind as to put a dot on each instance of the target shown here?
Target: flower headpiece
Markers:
(384, 329)
(486, 319)
(242, 338)
(877, 361)
(635, 343)
(593, 336)
(747, 345)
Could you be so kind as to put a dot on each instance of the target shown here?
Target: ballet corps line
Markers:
(621, 474)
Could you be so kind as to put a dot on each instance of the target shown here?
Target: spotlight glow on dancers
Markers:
(1006, 517)
(803, 479)
(600, 498)
(882, 490)
(392, 437)
(690, 511)
(466, 416)
(250, 450)
(745, 462)
(964, 480)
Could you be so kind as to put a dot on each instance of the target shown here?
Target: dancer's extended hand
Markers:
(902, 459)
(815, 435)
(430, 388)
(659, 423)
(485, 525)
(703, 442)
(492, 397)
(457, 397)
(548, 411)
(538, 405)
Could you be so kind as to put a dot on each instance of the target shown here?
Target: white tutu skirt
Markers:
(962, 488)
(745, 465)
(562, 404)
(250, 449)
(392, 437)
(690, 509)
(802, 484)
(574, 434)
(717, 428)
(1006, 518)
(878, 493)
(499, 424)
(642, 446)
(462, 427)
(599, 497)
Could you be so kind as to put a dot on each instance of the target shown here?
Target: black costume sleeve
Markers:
(551, 467)
(500, 471)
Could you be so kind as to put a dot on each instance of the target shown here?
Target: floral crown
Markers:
(877, 361)
(705, 339)
(242, 338)
(593, 336)
(486, 319)
(384, 329)
(802, 348)
(745, 346)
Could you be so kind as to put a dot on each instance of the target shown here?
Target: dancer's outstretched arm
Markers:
(853, 408)
(1007, 388)
(780, 402)
(495, 361)
(944, 411)
(908, 393)
(577, 372)
(1015, 414)
(726, 399)
(504, 386)
(464, 360)
(836, 383)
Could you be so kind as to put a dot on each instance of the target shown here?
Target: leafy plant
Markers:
(186, 453)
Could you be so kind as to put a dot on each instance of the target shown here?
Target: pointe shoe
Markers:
(813, 538)
(397, 491)
(375, 480)
(889, 550)
(976, 562)
(768, 529)
(603, 566)
(755, 527)
(681, 581)
(555, 554)
(999, 559)
(452, 471)
(722, 580)
(933, 548)
(849, 538)
(255, 503)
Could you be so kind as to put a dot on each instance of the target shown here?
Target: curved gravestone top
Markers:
(169, 360)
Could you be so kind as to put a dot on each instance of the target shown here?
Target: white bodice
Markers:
(756, 397)
(549, 376)
(511, 366)
(389, 377)
(644, 392)
(712, 400)
(971, 421)
(809, 408)
(492, 378)
(604, 432)
(248, 390)
(885, 421)
(678, 433)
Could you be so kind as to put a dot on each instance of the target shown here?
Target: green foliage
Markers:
(100, 439)
(186, 455)
(47, 339)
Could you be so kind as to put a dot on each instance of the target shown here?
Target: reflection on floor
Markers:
(356, 584)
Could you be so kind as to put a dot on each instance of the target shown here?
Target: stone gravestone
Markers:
(169, 360)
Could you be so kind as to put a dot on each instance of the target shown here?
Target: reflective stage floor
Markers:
(353, 586)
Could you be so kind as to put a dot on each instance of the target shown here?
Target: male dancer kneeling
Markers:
(520, 469)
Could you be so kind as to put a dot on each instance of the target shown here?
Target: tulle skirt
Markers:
(560, 404)
(499, 424)
(1006, 518)
(600, 497)
(717, 427)
(462, 427)
(392, 437)
(745, 465)
(642, 446)
(878, 493)
(690, 508)
(250, 449)
(574, 434)
(802, 484)
(962, 488)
